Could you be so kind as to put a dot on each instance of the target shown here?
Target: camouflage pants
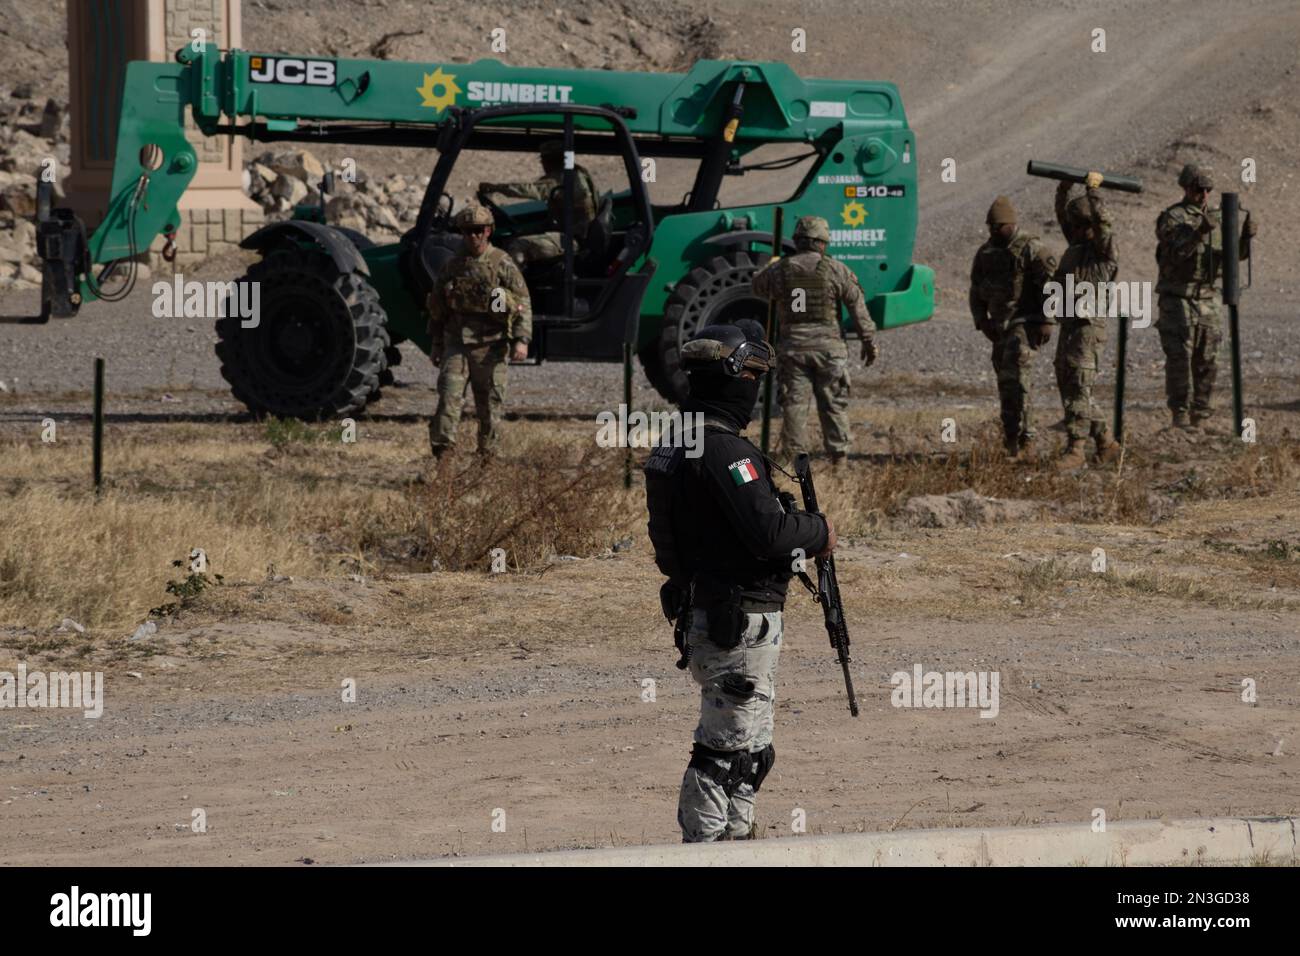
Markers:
(730, 719)
(1190, 335)
(820, 374)
(1011, 362)
(484, 367)
(1078, 357)
(537, 248)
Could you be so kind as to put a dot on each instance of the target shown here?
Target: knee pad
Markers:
(730, 768)
(763, 761)
(727, 768)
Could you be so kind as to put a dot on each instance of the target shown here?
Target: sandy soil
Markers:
(480, 693)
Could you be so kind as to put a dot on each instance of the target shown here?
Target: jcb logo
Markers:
(271, 69)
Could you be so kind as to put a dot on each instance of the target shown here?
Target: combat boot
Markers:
(1180, 421)
(1013, 447)
(1073, 457)
(1108, 450)
(1199, 419)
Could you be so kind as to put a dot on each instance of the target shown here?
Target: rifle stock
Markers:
(828, 586)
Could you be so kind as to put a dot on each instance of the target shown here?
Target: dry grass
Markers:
(257, 496)
(106, 563)
(1214, 590)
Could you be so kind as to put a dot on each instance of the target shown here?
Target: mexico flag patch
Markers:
(742, 471)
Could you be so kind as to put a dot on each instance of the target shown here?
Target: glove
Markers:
(485, 188)
(1038, 334)
(988, 329)
(435, 356)
(1248, 228)
(870, 352)
(1209, 223)
(670, 599)
(1093, 180)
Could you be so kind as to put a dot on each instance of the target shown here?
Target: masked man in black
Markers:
(729, 550)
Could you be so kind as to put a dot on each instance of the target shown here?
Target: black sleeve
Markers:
(738, 481)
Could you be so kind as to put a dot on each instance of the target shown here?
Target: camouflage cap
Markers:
(729, 349)
(812, 227)
(1001, 213)
(473, 215)
(1196, 176)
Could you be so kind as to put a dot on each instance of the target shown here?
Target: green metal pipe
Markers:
(1231, 298)
(97, 439)
(778, 229)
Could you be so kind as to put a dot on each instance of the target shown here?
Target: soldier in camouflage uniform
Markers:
(550, 190)
(809, 287)
(478, 307)
(1190, 256)
(1006, 301)
(1091, 258)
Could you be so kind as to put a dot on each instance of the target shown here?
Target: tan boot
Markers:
(1180, 421)
(1012, 446)
(1108, 450)
(1073, 457)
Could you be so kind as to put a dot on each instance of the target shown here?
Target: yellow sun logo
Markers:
(435, 80)
(853, 213)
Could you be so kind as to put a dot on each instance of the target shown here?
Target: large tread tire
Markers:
(716, 292)
(318, 349)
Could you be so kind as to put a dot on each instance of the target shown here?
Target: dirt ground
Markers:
(522, 696)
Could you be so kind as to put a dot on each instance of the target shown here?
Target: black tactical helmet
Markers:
(729, 349)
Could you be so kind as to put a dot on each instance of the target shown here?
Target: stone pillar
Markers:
(102, 37)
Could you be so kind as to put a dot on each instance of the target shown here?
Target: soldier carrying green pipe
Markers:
(1092, 261)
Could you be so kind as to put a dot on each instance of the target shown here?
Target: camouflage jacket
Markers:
(813, 318)
(479, 300)
(1190, 261)
(1094, 260)
(1006, 282)
(544, 190)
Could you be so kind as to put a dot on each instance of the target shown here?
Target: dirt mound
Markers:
(966, 509)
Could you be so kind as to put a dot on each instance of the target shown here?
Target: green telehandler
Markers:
(333, 304)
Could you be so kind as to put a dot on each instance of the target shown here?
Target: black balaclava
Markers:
(719, 395)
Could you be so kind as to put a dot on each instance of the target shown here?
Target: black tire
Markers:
(713, 293)
(318, 349)
(385, 375)
(653, 366)
(392, 357)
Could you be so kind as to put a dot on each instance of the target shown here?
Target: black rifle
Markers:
(827, 591)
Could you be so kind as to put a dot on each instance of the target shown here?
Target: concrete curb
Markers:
(1221, 840)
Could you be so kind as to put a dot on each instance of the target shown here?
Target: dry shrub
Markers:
(558, 500)
(106, 563)
(1141, 491)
